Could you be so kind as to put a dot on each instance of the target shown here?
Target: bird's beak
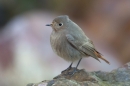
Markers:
(48, 24)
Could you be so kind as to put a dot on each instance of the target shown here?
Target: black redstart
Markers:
(70, 42)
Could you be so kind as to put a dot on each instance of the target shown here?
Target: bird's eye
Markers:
(60, 24)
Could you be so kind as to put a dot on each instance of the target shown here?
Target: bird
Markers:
(69, 42)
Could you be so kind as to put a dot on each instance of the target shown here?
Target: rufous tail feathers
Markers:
(99, 56)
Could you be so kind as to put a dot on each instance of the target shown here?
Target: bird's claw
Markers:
(66, 69)
(73, 72)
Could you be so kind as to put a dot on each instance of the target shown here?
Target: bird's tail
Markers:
(99, 56)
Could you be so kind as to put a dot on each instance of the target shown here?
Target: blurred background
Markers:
(25, 52)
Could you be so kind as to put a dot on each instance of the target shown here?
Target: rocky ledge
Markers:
(117, 77)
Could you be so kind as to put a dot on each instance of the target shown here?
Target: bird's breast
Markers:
(62, 47)
(57, 42)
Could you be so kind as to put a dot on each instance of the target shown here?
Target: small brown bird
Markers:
(70, 42)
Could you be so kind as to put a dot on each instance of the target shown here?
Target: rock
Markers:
(117, 77)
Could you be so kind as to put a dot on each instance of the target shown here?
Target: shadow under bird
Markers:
(70, 42)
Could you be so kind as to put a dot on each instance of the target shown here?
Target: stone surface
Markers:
(117, 77)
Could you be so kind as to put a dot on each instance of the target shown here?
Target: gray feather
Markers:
(83, 48)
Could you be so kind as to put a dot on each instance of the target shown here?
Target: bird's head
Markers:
(59, 23)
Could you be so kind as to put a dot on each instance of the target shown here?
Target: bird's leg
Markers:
(68, 68)
(75, 69)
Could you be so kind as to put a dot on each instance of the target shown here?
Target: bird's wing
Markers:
(85, 47)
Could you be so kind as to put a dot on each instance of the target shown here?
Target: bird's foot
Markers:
(71, 73)
(66, 69)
